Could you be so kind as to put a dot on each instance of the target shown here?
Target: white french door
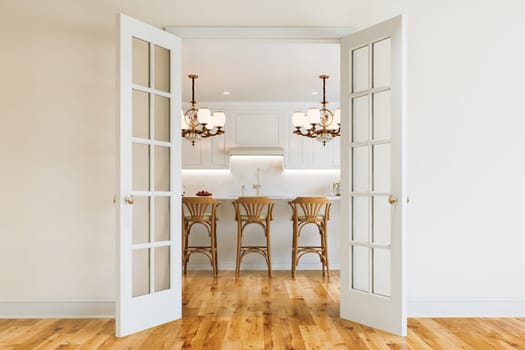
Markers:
(373, 174)
(148, 177)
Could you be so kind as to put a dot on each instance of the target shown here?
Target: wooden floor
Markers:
(255, 312)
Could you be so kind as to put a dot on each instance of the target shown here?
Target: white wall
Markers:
(466, 169)
(57, 160)
(466, 174)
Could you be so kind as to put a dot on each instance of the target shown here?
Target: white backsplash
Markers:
(274, 180)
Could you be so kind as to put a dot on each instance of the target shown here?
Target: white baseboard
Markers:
(106, 308)
(230, 266)
(467, 308)
(57, 308)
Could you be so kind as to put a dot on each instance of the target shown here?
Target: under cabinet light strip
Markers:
(206, 171)
(298, 171)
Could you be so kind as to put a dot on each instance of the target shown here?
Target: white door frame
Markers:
(320, 35)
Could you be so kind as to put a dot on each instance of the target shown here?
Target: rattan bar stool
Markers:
(199, 211)
(310, 210)
(253, 210)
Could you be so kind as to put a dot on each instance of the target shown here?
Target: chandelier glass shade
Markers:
(199, 123)
(318, 123)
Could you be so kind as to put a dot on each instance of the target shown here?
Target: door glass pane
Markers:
(360, 69)
(140, 61)
(360, 169)
(162, 168)
(360, 219)
(381, 112)
(140, 114)
(140, 279)
(162, 219)
(381, 63)
(382, 220)
(162, 69)
(360, 268)
(381, 271)
(140, 214)
(140, 161)
(162, 268)
(360, 119)
(162, 118)
(381, 155)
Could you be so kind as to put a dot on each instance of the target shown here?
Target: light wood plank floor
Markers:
(255, 312)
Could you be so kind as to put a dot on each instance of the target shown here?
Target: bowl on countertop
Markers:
(204, 193)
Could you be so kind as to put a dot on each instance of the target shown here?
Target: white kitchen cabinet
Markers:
(257, 129)
(260, 125)
(206, 154)
(306, 153)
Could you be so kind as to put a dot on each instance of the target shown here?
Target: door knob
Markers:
(392, 200)
(130, 199)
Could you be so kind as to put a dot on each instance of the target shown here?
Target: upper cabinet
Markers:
(260, 125)
(256, 129)
(208, 153)
(305, 153)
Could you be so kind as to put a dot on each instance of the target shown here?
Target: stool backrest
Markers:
(310, 208)
(200, 207)
(252, 208)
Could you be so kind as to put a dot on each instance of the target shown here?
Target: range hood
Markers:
(256, 151)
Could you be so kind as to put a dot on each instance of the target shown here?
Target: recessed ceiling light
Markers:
(226, 93)
(315, 93)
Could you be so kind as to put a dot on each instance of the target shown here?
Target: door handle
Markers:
(392, 199)
(130, 200)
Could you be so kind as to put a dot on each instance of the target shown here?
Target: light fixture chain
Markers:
(324, 91)
(193, 91)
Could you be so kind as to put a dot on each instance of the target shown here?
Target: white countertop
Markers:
(277, 197)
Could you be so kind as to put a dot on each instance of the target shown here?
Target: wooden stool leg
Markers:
(294, 248)
(325, 248)
(186, 238)
(320, 251)
(183, 257)
(239, 240)
(268, 252)
(213, 248)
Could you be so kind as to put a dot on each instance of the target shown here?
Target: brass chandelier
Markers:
(198, 123)
(318, 123)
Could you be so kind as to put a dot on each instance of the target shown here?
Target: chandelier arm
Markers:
(336, 132)
(311, 133)
(207, 132)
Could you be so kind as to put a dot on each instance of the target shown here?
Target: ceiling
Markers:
(252, 70)
(260, 70)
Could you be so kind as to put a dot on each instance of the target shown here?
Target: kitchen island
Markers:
(281, 238)
(246, 177)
